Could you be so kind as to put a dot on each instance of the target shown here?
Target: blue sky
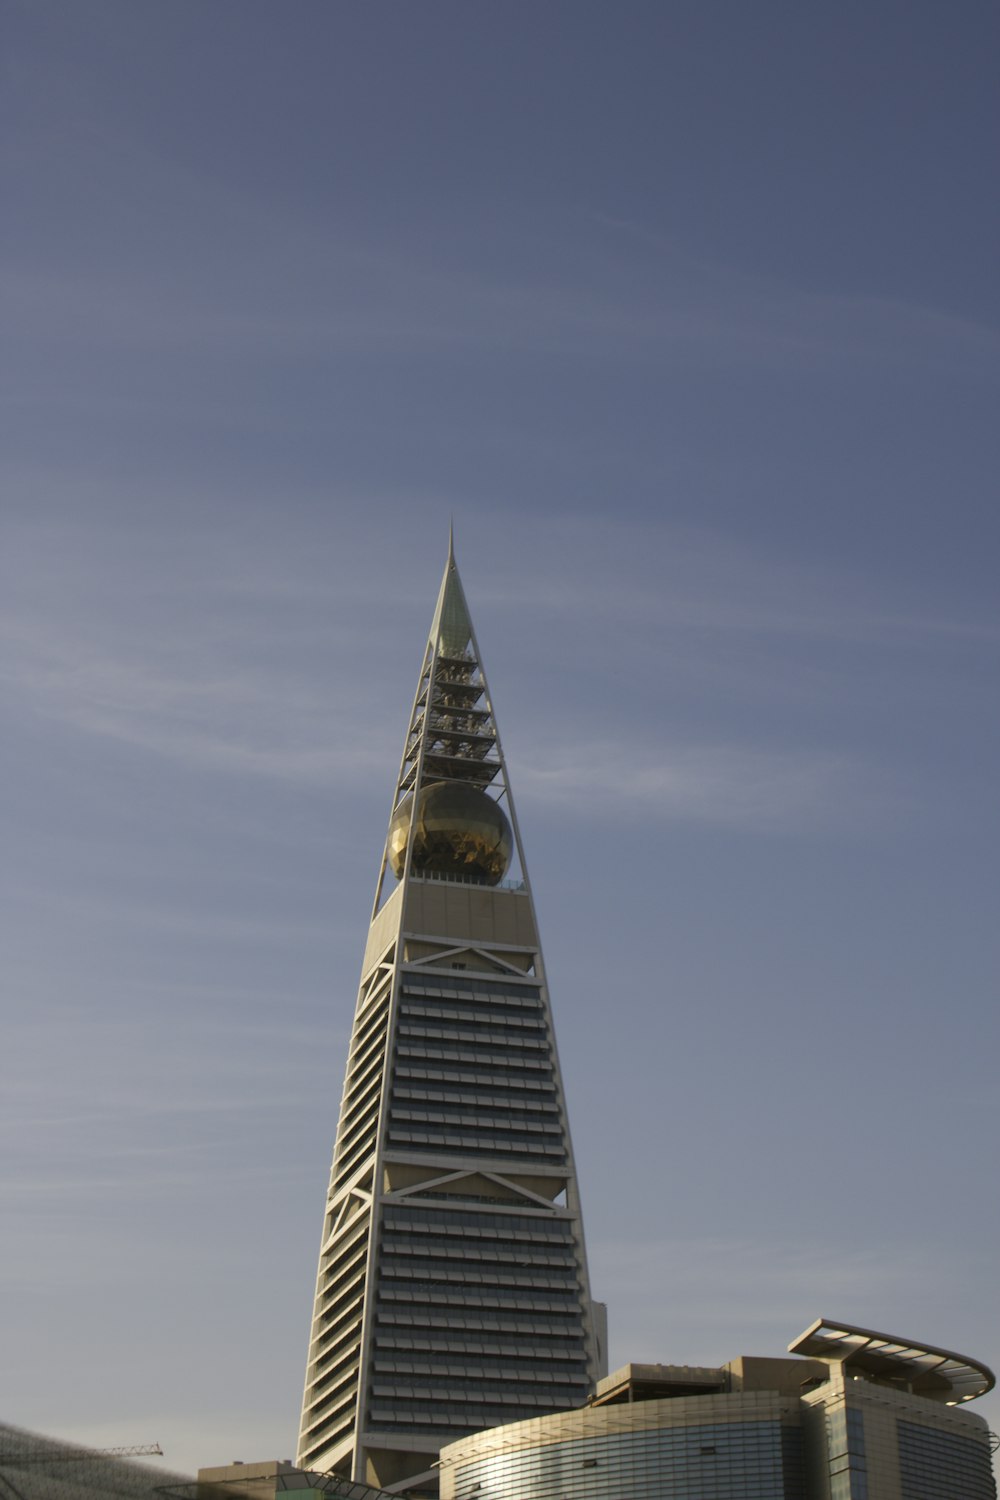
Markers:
(688, 315)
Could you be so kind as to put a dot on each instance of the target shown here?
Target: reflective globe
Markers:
(458, 830)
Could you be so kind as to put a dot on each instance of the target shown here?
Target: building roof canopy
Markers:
(939, 1374)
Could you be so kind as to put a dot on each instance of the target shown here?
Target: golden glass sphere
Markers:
(457, 830)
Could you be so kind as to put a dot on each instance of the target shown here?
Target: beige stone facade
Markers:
(452, 1292)
(851, 1425)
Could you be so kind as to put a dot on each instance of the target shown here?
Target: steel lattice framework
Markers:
(452, 1292)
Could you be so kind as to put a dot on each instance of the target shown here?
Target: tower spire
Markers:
(452, 1291)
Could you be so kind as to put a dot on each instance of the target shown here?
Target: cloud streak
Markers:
(725, 1290)
(201, 676)
(234, 719)
(373, 306)
(204, 719)
(631, 295)
(736, 788)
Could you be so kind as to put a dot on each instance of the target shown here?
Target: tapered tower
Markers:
(452, 1292)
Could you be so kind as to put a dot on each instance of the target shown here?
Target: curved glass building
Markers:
(861, 1416)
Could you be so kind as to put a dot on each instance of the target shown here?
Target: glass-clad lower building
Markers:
(888, 1418)
(867, 1441)
(937, 1465)
(720, 1447)
(857, 1416)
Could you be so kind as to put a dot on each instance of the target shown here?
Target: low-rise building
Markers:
(851, 1415)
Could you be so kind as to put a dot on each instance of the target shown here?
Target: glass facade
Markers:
(478, 1316)
(846, 1447)
(474, 1071)
(478, 1307)
(766, 1429)
(750, 1460)
(935, 1465)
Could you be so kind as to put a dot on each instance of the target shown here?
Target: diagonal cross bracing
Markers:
(452, 1291)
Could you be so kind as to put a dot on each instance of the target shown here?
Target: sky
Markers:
(686, 313)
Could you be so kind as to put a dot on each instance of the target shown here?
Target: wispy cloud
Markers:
(232, 668)
(236, 719)
(631, 294)
(635, 576)
(369, 304)
(252, 723)
(700, 1299)
(716, 784)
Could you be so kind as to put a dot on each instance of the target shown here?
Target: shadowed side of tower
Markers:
(452, 1292)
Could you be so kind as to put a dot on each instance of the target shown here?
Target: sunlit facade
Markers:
(452, 1292)
(859, 1416)
(888, 1421)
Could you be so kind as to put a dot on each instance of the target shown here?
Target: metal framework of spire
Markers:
(452, 1291)
(452, 733)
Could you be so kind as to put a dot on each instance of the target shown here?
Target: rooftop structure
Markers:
(845, 1422)
(938, 1374)
(266, 1481)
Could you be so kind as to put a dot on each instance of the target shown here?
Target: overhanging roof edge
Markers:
(966, 1378)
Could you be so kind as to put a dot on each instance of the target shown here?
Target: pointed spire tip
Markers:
(451, 540)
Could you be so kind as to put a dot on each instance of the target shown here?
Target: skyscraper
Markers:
(452, 1292)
